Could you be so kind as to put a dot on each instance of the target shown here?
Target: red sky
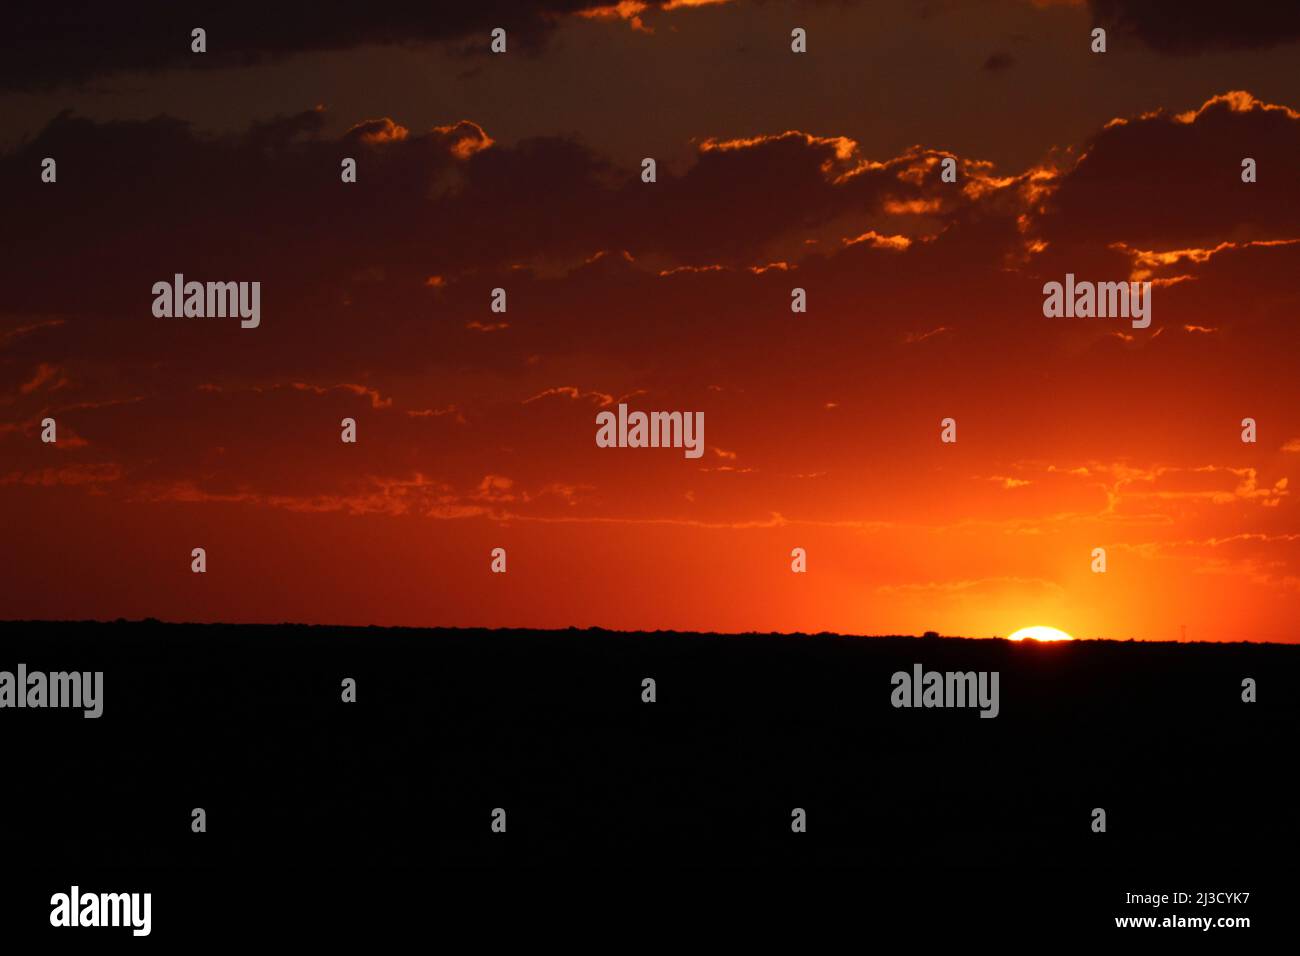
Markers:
(477, 430)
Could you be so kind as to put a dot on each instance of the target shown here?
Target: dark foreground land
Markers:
(611, 802)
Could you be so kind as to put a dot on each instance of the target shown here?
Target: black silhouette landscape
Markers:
(247, 722)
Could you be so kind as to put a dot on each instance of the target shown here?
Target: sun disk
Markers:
(1039, 632)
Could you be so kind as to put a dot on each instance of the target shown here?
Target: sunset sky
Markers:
(776, 170)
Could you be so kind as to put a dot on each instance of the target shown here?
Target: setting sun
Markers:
(1039, 633)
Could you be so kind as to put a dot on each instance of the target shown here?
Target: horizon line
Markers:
(928, 635)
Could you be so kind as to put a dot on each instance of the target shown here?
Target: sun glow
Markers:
(1039, 633)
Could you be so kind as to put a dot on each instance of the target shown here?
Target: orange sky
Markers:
(477, 429)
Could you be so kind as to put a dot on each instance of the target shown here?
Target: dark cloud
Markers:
(1173, 180)
(999, 62)
(1196, 26)
(137, 201)
(385, 283)
(46, 45)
